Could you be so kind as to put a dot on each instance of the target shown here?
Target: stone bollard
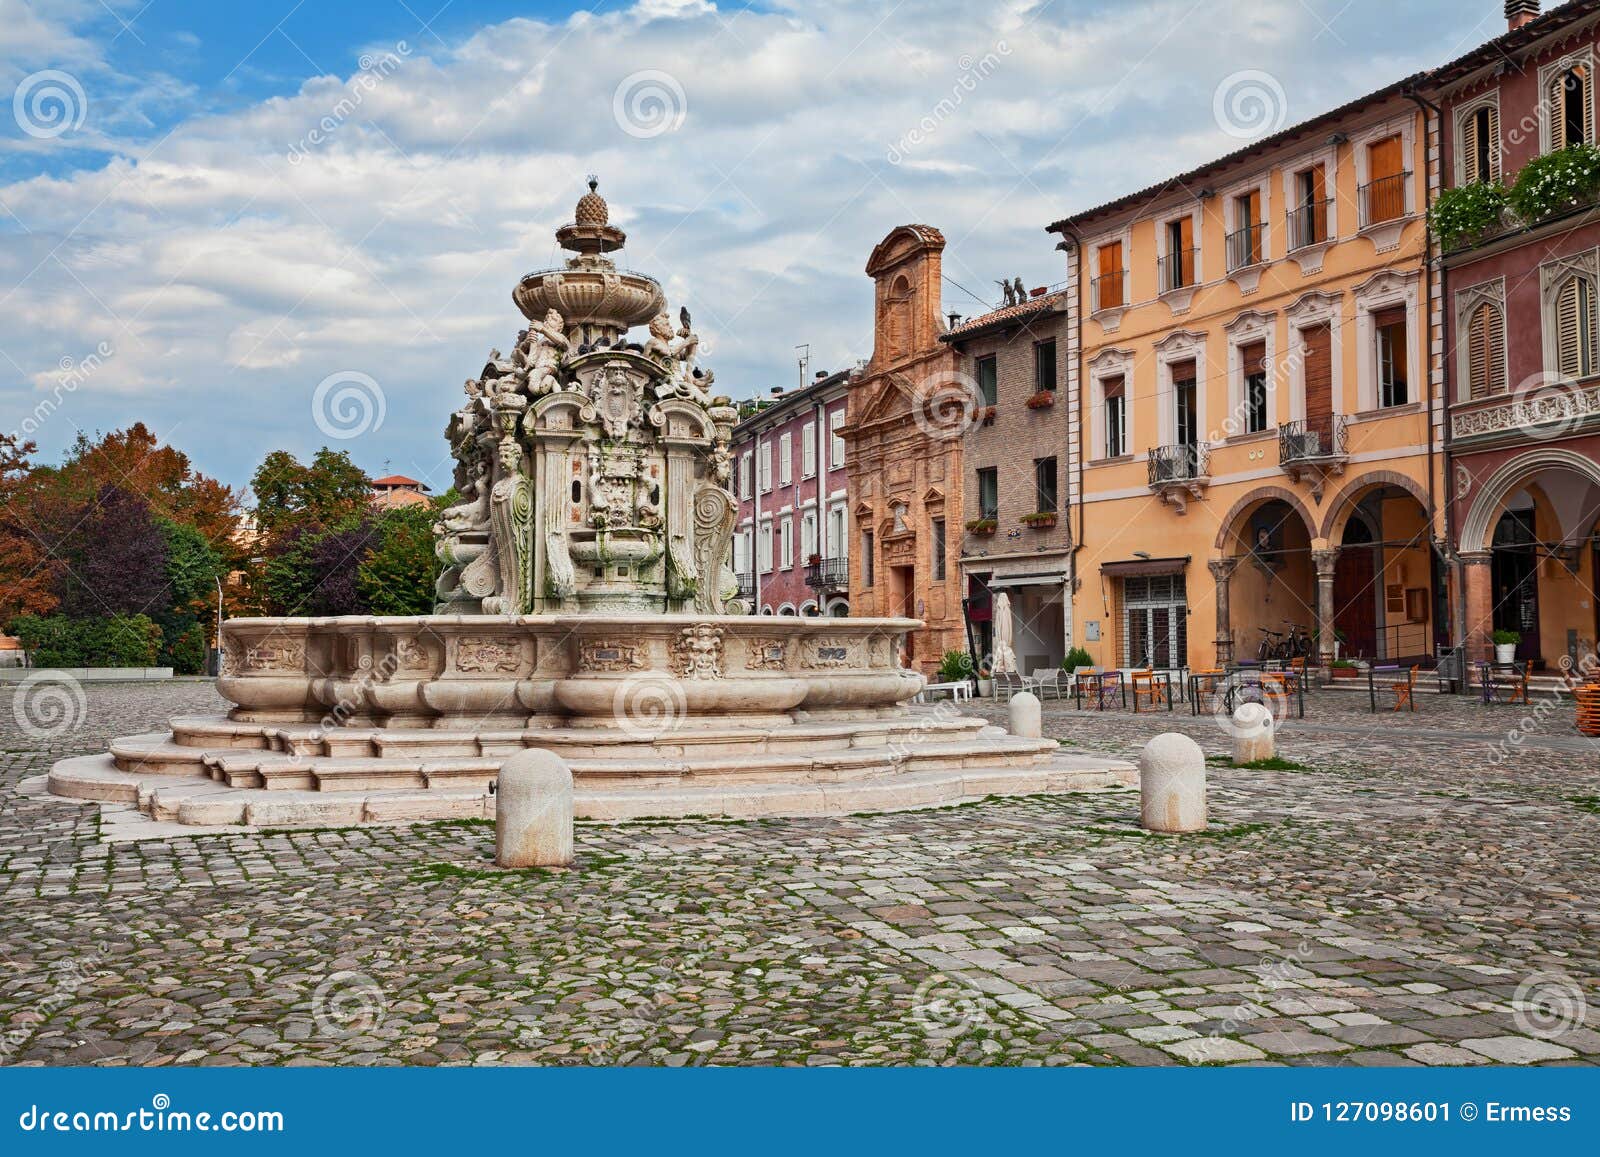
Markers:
(1027, 718)
(1172, 785)
(1254, 733)
(533, 812)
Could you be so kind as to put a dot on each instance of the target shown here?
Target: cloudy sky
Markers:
(208, 210)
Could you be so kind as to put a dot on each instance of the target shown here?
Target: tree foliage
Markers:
(397, 577)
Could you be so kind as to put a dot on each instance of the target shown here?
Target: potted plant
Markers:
(1040, 520)
(1505, 646)
(955, 667)
(1042, 400)
(986, 414)
(1345, 669)
(983, 527)
(1077, 657)
(985, 681)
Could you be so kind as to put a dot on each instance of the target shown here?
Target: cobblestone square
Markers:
(1405, 890)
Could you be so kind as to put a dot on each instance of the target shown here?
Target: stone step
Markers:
(199, 802)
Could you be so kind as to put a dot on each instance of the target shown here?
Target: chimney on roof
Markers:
(820, 375)
(1520, 12)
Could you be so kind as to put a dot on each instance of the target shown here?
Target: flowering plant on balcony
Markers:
(983, 525)
(1556, 181)
(1468, 213)
(985, 414)
(1042, 399)
(1041, 520)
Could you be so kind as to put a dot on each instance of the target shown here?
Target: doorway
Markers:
(1354, 594)
(1515, 580)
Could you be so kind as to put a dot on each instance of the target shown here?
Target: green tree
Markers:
(398, 576)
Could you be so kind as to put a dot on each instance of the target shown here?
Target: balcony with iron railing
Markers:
(1177, 268)
(1383, 200)
(1179, 473)
(1108, 291)
(747, 586)
(1308, 224)
(828, 574)
(1247, 246)
(1321, 439)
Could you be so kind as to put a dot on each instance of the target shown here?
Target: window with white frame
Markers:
(786, 542)
(835, 440)
(741, 553)
(1392, 350)
(838, 545)
(1253, 372)
(1114, 391)
(785, 459)
(808, 536)
(808, 450)
(764, 466)
(765, 548)
(744, 474)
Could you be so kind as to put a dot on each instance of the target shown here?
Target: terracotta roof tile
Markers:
(1005, 315)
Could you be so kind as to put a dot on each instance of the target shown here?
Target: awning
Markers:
(1133, 567)
(1053, 578)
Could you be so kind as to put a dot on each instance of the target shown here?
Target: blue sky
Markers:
(209, 210)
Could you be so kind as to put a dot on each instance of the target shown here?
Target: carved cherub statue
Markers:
(472, 514)
(545, 347)
(659, 346)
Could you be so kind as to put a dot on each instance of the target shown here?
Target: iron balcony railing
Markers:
(1247, 246)
(828, 574)
(1308, 224)
(1180, 463)
(1384, 199)
(1312, 439)
(1108, 291)
(1177, 269)
(747, 586)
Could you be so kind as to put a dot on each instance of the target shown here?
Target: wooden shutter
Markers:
(1486, 348)
(1469, 149)
(1253, 358)
(1387, 316)
(1112, 387)
(1557, 104)
(1318, 369)
(1384, 159)
(1493, 145)
(1110, 273)
(1584, 91)
(1569, 342)
(1183, 371)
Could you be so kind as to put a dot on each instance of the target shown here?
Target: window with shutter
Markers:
(1486, 343)
(1116, 416)
(1489, 142)
(1576, 355)
(1571, 99)
(1253, 366)
(1470, 140)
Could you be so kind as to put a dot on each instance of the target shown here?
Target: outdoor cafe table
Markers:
(1100, 686)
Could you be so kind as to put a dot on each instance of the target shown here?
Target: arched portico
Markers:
(1528, 554)
(1384, 579)
(1265, 576)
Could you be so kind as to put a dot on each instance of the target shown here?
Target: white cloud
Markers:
(231, 278)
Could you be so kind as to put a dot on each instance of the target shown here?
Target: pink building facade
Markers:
(791, 546)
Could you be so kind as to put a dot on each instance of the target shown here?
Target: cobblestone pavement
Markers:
(1403, 896)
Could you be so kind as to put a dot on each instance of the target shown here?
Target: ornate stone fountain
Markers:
(587, 606)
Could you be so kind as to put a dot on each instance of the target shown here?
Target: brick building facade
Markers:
(1017, 535)
(789, 464)
(903, 453)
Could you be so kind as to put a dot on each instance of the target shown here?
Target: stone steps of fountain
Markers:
(571, 743)
(278, 770)
(203, 803)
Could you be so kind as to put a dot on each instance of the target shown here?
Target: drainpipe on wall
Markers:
(1071, 244)
(755, 528)
(1455, 592)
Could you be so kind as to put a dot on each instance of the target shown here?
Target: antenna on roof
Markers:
(804, 352)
